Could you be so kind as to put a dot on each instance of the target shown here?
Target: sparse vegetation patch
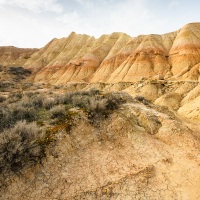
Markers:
(30, 121)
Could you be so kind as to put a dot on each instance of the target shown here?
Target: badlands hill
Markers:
(119, 57)
(112, 58)
(12, 56)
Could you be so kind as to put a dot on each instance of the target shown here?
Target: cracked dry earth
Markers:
(139, 152)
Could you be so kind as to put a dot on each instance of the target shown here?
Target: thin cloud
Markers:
(130, 17)
(86, 3)
(72, 19)
(174, 3)
(36, 6)
(106, 17)
(58, 18)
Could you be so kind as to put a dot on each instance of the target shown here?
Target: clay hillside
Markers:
(12, 56)
(114, 58)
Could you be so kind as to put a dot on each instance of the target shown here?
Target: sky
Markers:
(33, 23)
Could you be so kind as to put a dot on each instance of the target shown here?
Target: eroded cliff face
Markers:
(112, 58)
(74, 58)
(118, 57)
(12, 56)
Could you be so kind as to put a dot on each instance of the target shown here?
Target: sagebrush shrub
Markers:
(57, 111)
(142, 99)
(139, 98)
(4, 118)
(10, 114)
(38, 101)
(2, 99)
(49, 103)
(19, 112)
(20, 146)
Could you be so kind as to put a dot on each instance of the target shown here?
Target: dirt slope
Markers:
(140, 152)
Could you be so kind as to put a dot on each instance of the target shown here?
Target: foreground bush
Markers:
(98, 106)
(10, 114)
(142, 100)
(2, 99)
(57, 112)
(20, 146)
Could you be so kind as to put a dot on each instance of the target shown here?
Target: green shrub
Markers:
(139, 98)
(90, 92)
(67, 98)
(6, 85)
(5, 121)
(10, 114)
(38, 101)
(22, 142)
(23, 113)
(57, 112)
(15, 96)
(80, 101)
(97, 106)
(49, 103)
(19, 71)
(142, 99)
(31, 94)
(2, 99)
(20, 146)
